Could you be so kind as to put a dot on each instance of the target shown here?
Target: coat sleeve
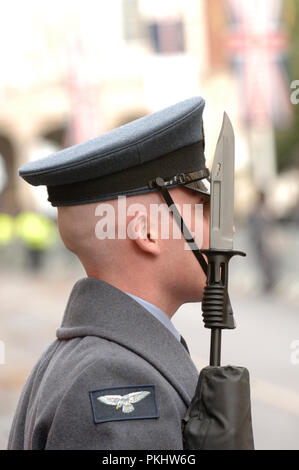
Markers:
(74, 427)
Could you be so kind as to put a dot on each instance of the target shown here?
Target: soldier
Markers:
(119, 375)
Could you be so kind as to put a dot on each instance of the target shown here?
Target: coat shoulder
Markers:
(108, 390)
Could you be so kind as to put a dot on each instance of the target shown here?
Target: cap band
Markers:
(134, 180)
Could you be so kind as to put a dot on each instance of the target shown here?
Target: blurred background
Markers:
(71, 70)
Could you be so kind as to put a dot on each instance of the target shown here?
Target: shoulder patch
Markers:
(124, 403)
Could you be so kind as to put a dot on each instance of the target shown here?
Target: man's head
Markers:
(136, 245)
(147, 161)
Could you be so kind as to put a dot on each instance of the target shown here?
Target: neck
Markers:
(140, 288)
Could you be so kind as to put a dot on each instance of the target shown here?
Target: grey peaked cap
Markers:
(149, 142)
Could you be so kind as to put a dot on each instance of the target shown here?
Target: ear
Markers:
(143, 235)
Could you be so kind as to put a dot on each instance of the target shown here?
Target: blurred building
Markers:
(70, 74)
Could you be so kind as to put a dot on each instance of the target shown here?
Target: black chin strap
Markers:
(161, 185)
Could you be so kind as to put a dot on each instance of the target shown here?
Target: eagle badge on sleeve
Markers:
(122, 403)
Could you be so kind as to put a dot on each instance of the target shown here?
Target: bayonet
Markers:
(216, 307)
(222, 189)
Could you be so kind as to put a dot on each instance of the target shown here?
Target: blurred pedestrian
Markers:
(261, 223)
(6, 229)
(37, 233)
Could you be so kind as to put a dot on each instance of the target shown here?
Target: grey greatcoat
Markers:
(115, 378)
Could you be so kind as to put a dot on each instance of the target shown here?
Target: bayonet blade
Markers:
(222, 189)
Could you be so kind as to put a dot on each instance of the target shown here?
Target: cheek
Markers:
(206, 233)
(201, 226)
(206, 227)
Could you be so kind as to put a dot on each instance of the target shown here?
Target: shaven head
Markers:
(142, 262)
(78, 230)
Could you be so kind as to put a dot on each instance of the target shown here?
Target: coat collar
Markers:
(96, 308)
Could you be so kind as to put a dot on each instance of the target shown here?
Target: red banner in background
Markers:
(83, 121)
(257, 45)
